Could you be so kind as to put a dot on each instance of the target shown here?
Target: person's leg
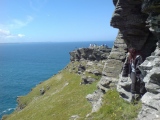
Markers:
(133, 85)
(142, 88)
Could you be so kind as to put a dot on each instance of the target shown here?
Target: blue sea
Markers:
(24, 65)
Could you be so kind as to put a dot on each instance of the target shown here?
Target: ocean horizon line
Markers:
(58, 42)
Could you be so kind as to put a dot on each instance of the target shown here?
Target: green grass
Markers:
(115, 108)
(64, 97)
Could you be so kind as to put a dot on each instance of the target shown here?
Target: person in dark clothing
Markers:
(131, 66)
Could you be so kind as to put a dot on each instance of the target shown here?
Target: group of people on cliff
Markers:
(131, 69)
(96, 46)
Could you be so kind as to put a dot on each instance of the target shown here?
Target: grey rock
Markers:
(96, 72)
(114, 63)
(95, 53)
(151, 107)
(139, 28)
(106, 83)
(42, 91)
(123, 87)
(87, 80)
(95, 99)
(81, 68)
(74, 117)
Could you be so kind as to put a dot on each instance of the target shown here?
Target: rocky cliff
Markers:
(92, 53)
(138, 22)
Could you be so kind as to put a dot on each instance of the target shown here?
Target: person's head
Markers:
(132, 53)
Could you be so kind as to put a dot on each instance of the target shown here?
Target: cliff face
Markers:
(92, 53)
(138, 22)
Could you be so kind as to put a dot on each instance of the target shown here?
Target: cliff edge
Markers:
(93, 74)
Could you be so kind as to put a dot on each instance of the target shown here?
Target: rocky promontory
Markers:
(92, 53)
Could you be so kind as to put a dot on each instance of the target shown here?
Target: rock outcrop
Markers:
(91, 53)
(91, 61)
(138, 22)
(151, 66)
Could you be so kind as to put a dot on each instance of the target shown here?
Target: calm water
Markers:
(24, 65)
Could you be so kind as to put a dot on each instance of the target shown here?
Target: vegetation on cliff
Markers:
(64, 97)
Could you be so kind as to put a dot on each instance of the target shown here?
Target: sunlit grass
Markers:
(63, 97)
(115, 108)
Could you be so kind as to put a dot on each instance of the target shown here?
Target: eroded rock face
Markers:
(129, 19)
(95, 53)
(151, 66)
(116, 58)
(139, 24)
(95, 99)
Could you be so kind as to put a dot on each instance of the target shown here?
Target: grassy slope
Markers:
(115, 108)
(65, 97)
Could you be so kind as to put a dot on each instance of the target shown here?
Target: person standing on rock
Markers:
(131, 66)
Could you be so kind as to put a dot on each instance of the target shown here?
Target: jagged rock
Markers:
(87, 80)
(151, 107)
(96, 53)
(106, 83)
(20, 105)
(113, 64)
(42, 91)
(138, 24)
(96, 72)
(132, 25)
(81, 68)
(95, 99)
(123, 87)
(90, 63)
(131, 22)
(112, 68)
(152, 80)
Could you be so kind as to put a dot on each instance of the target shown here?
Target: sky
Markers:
(56, 20)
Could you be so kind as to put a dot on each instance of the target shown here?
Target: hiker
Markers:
(131, 66)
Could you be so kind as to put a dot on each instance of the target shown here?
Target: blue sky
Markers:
(56, 20)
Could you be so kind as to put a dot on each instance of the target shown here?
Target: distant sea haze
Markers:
(24, 65)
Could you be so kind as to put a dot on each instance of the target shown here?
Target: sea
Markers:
(24, 65)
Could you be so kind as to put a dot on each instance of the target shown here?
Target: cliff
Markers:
(92, 53)
(72, 93)
(139, 26)
(95, 73)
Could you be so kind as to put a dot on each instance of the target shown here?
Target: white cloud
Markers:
(6, 35)
(5, 29)
(21, 35)
(16, 23)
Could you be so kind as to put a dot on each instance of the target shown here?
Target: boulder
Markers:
(106, 83)
(95, 99)
(87, 80)
(123, 87)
